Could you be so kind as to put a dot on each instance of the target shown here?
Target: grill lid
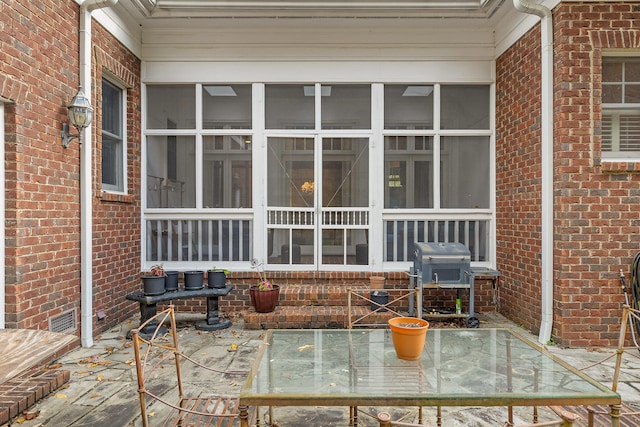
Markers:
(441, 250)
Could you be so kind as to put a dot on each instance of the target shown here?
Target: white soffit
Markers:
(163, 9)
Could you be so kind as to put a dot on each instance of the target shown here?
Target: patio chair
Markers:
(154, 355)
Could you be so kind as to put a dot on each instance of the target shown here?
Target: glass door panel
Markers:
(345, 201)
(291, 200)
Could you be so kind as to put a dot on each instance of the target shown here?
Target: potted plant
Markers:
(264, 295)
(193, 280)
(408, 335)
(153, 283)
(171, 281)
(217, 278)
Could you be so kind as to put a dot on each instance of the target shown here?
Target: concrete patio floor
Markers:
(102, 390)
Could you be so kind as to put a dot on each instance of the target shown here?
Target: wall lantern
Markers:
(80, 115)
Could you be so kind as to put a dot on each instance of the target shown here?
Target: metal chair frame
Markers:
(158, 351)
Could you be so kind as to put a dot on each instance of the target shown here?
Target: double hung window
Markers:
(621, 108)
(113, 137)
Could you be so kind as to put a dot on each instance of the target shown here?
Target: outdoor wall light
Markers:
(80, 115)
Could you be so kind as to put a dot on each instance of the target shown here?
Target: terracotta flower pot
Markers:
(408, 335)
(264, 301)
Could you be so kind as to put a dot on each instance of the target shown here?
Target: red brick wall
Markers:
(518, 172)
(116, 218)
(598, 226)
(39, 70)
(39, 73)
(597, 220)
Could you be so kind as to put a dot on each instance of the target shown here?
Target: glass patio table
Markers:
(458, 367)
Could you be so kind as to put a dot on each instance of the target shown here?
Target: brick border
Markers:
(22, 392)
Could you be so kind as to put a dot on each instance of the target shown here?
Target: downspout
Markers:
(546, 30)
(86, 214)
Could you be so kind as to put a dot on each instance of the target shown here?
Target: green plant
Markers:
(219, 270)
(264, 284)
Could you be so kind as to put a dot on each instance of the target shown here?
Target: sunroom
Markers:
(317, 136)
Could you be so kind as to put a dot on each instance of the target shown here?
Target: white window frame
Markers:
(615, 110)
(121, 186)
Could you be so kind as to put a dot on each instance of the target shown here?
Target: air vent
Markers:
(65, 323)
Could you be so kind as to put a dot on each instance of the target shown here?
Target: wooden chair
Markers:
(154, 355)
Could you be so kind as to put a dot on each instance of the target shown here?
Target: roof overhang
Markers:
(193, 9)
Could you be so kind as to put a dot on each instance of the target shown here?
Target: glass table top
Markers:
(458, 367)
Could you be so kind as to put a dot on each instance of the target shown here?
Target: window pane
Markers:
(465, 107)
(611, 93)
(226, 107)
(464, 175)
(345, 172)
(226, 169)
(289, 107)
(171, 107)
(632, 93)
(290, 175)
(408, 172)
(408, 107)
(171, 172)
(346, 107)
(111, 108)
(611, 71)
(111, 162)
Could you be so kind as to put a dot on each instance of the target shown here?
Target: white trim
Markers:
(452, 71)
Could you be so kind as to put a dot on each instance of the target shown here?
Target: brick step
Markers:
(18, 394)
(313, 317)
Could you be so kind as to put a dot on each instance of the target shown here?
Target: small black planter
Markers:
(153, 285)
(171, 281)
(193, 280)
(216, 279)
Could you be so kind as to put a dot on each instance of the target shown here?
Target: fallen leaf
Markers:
(305, 347)
(31, 415)
(233, 347)
(100, 377)
(61, 395)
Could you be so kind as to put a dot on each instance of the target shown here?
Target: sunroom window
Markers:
(315, 176)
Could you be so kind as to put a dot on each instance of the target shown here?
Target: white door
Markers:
(318, 200)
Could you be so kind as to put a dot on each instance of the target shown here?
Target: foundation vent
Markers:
(65, 322)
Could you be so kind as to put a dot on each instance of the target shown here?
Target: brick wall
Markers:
(597, 220)
(39, 75)
(116, 226)
(518, 172)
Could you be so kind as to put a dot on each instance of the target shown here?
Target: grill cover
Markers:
(446, 263)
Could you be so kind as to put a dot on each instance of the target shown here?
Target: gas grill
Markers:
(446, 266)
